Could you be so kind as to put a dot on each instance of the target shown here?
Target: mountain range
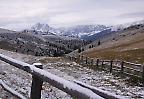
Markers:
(41, 39)
(84, 32)
(75, 31)
(126, 44)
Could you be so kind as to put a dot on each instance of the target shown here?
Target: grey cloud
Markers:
(132, 15)
(24, 13)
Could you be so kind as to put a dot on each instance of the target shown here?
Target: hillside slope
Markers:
(6, 31)
(124, 45)
(38, 45)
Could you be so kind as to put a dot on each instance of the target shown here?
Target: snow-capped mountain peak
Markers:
(45, 29)
(41, 27)
(74, 31)
(79, 31)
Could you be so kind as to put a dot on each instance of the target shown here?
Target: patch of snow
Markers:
(66, 84)
(11, 90)
(21, 81)
(97, 90)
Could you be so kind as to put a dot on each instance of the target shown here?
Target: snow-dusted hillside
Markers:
(85, 32)
(28, 43)
(75, 31)
(126, 25)
(80, 30)
(6, 31)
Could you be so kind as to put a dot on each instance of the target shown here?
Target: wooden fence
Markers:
(74, 89)
(112, 66)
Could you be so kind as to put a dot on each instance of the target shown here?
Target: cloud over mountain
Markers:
(19, 14)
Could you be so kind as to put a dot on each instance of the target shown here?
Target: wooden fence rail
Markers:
(38, 76)
(123, 67)
(72, 89)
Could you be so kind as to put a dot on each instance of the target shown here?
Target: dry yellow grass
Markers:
(136, 56)
(50, 60)
(130, 48)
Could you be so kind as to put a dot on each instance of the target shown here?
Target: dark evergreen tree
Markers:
(79, 50)
(90, 46)
(99, 42)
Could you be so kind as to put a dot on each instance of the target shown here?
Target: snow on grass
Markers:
(69, 87)
(11, 90)
(103, 93)
(105, 81)
(66, 85)
(21, 81)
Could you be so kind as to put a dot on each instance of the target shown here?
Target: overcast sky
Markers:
(20, 14)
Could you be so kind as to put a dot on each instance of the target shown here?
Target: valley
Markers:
(72, 49)
(45, 45)
(39, 45)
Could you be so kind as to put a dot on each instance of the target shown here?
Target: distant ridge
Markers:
(84, 32)
(6, 31)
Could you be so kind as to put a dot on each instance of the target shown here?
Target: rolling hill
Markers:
(6, 31)
(127, 44)
(39, 45)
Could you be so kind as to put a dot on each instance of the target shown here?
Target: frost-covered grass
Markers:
(105, 81)
(21, 81)
(6, 87)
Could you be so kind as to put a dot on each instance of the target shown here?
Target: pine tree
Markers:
(99, 42)
(79, 50)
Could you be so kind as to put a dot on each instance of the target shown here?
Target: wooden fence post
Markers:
(97, 62)
(79, 56)
(36, 84)
(102, 63)
(78, 59)
(75, 59)
(122, 66)
(111, 63)
(82, 58)
(70, 58)
(86, 60)
(91, 62)
(143, 75)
